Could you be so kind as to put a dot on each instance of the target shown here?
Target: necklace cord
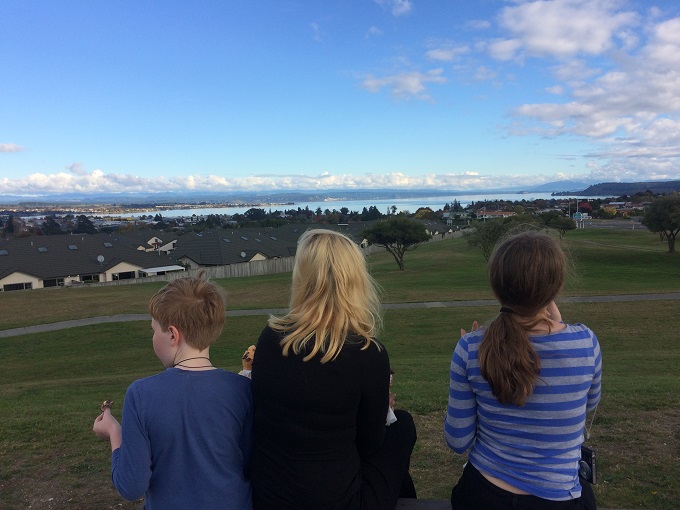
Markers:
(196, 357)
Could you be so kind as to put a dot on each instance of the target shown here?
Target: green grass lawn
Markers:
(52, 383)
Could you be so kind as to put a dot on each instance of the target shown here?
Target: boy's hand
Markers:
(106, 405)
(107, 427)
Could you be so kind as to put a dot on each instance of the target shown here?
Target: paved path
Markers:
(54, 326)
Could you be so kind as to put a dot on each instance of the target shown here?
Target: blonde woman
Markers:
(321, 391)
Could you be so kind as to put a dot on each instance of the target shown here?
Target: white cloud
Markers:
(557, 90)
(10, 147)
(663, 47)
(447, 51)
(406, 85)
(373, 32)
(484, 73)
(627, 106)
(99, 182)
(616, 169)
(396, 7)
(574, 72)
(562, 28)
(76, 169)
(504, 49)
(318, 34)
(478, 24)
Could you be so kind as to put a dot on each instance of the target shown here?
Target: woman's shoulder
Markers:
(372, 345)
(373, 353)
(269, 336)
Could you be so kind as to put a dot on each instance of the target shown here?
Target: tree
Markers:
(372, 213)
(558, 221)
(424, 213)
(485, 235)
(663, 216)
(84, 225)
(397, 235)
(51, 227)
(255, 214)
(9, 226)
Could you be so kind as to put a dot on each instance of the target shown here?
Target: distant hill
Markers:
(617, 189)
(560, 187)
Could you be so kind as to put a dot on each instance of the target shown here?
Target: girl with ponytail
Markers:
(520, 388)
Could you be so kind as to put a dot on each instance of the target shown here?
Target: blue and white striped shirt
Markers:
(535, 447)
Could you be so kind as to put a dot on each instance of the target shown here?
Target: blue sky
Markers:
(282, 94)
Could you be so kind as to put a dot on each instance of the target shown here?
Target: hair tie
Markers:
(505, 309)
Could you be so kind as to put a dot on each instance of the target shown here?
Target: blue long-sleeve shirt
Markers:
(187, 441)
(535, 447)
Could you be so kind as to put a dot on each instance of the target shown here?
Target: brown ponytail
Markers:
(526, 273)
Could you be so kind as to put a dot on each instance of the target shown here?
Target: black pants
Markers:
(474, 492)
(385, 473)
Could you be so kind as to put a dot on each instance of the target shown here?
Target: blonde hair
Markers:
(526, 273)
(194, 306)
(332, 296)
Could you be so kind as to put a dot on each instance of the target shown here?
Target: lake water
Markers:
(383, 205)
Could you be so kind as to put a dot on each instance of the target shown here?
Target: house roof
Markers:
(140, 238)
(217, 247)
(220, 247)
(58, 256)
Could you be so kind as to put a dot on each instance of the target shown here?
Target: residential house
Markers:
(483, 214)
(146, 240)
(62, 260)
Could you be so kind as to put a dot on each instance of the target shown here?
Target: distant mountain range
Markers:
(563, 188)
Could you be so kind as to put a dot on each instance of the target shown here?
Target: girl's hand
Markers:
(475, 327)
(553, 312)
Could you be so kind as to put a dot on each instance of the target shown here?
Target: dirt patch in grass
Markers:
(33, 482)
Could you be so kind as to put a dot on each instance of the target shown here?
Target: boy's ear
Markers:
(175, 335)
